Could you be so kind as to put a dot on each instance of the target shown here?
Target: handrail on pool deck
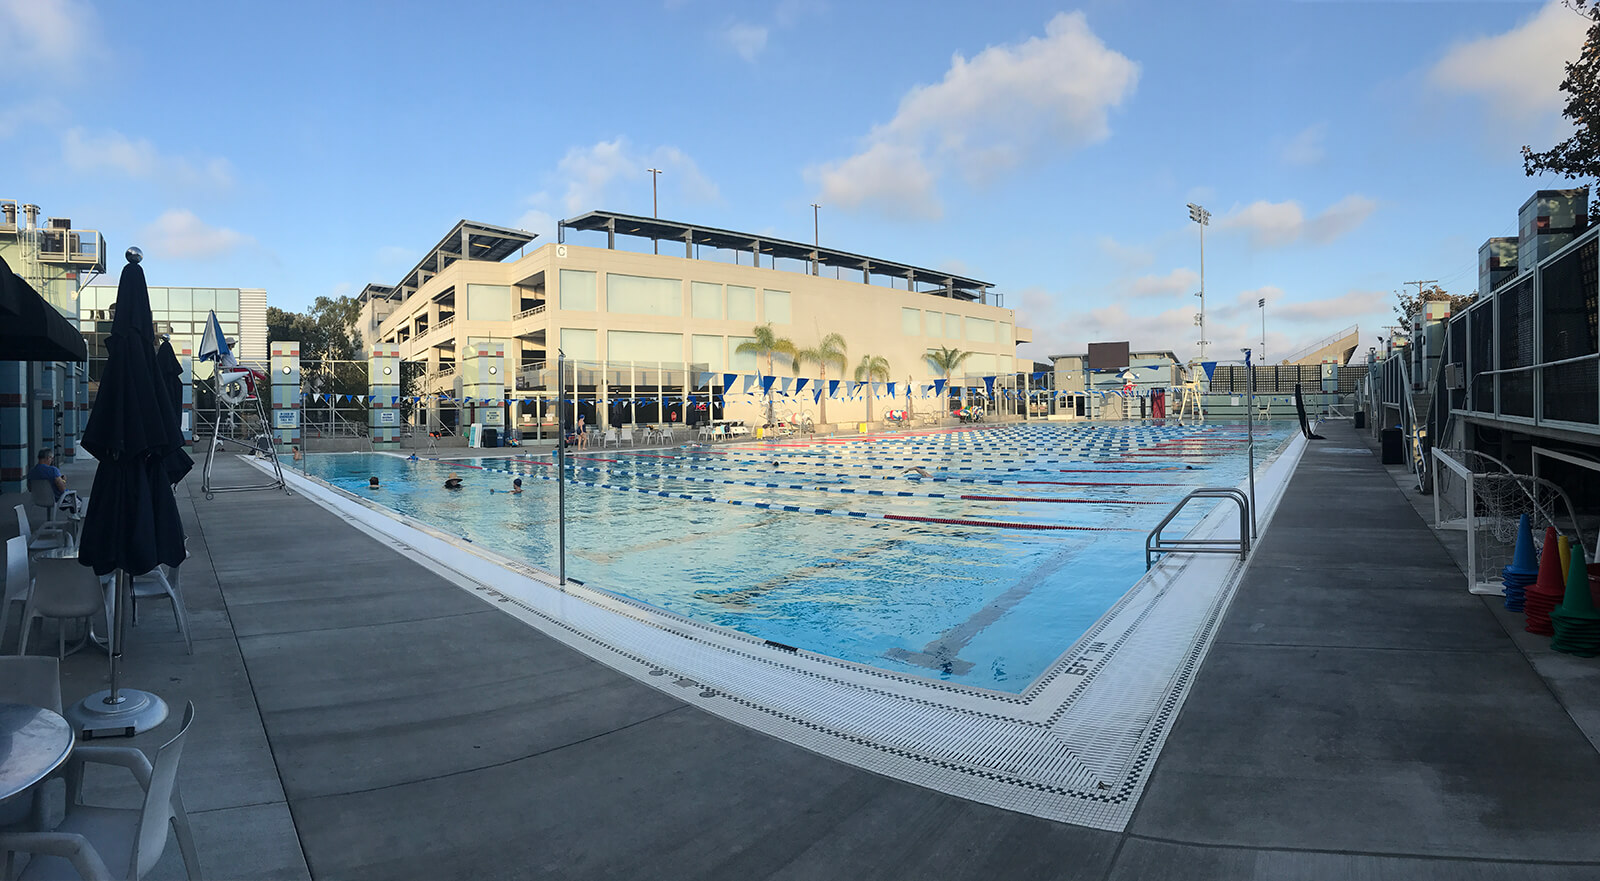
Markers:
(1154, 543)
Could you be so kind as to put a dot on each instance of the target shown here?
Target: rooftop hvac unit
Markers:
(1455, 376)
(60, 223)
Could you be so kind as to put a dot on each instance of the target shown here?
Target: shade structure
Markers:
(132, 521)
(30, 328)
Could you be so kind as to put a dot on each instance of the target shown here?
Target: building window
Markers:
(910, 321)
(741, 303)
(980, 330)
(777, 303)
(933, 324)
(228, 299)
(203, 299)
(639, 346)
(1005, 333)
(952, 326)
(488, 302)
(742, 362)
(705, 299)
(577, 290)
(580, 344)
(980, 364)
(639, 295)
(708, 350)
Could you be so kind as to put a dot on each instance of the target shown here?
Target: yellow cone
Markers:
(1565, 547)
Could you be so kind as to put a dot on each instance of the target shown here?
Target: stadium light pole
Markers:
(655, 205)
(1203, 217)
(1250, 429)
(816, 238)
(1262, 302)
(561, 468)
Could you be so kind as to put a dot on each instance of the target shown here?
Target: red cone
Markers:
(1548, 589)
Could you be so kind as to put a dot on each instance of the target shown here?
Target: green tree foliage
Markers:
(1410, 304)
(1577, 157)
(767, 344)
(947, 361)
(326, 336)
(873, 368)
(829, 351)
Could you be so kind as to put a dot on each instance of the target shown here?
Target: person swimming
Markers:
(917, 470)
(412, 458)
(453, 483)
(516, 485)
(372, 483)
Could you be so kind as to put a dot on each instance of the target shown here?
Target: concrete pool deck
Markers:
(360, 716)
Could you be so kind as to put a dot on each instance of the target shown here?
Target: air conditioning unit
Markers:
(1455, 376)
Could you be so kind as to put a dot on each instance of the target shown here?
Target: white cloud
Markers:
(179, 234)
(1276, 224)
(1178, 281)
(138, 158)
(1128, 256)
(51, 34)
(747, 40)
(1000, 109)
(590, 173)
(1520, 70)
(1344, 309)
(1306, 147)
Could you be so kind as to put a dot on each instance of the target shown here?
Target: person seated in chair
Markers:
(47, 471)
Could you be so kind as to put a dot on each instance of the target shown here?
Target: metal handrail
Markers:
(1155, 544)
(529, 313)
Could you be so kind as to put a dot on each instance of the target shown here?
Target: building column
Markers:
(483, 377)
(69, 411)
(383, 383)
(83, 398)
(13, 425)
(46, 404)
(286, 393)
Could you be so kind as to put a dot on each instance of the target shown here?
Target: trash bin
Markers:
(1361, 419)
(1393, 444)
(491, 437)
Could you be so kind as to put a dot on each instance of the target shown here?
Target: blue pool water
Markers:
(977, 602)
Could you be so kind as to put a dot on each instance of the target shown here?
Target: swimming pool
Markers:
(983, 574)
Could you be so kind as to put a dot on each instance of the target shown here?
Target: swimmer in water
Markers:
(917, 470)
(372, 483)
(453, 483)
(412, 457)
(516, 485)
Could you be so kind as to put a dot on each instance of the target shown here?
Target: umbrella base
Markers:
(135, 712)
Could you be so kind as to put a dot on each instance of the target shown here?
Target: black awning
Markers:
(30, 328)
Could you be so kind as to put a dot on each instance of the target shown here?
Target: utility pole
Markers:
(816, 238)
(1419, 284)
(1203, 217)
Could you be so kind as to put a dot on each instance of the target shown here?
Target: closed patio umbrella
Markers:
(176, 462)
(132, 521)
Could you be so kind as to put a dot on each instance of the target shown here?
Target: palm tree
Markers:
(946, 361)
(768, 344)
(872, 368)
(831, 350)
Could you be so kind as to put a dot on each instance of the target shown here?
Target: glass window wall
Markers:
(980, 330)
(633, 345)
(579, 343)
(641, 295)
(705, 299)
(777, 303)
(710, 351)
(741, 303)
(910, 321)
(742, 362)
(952, 326)
(578, 290)
(488, 302)
(933, 324)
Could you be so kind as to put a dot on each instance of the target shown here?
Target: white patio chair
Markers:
(64, 590)
(18, 582)
(43, 497)
(626, 436)
(91, 840)
(162, 582)
(705, 433)
(610, 439)
(46, 537)
(664, 435)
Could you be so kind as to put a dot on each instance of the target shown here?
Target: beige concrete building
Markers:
(638, 327)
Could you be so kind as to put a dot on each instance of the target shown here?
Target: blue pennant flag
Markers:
(800, 385)
(766, 384)
(727, 380)
(1038, 376)
(749, 383)
(816, 395)
(891, 390)
(833, 388)
(783, 386)
(1210, 368)
(938, 386)
(855, 389)
(988, 382)
(704, 380)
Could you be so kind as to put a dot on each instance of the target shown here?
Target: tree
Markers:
(946, 360)
(767, 344)
(1579, 155)
(324, 334)
(831, 350)
(1410, 304)
(873, 368)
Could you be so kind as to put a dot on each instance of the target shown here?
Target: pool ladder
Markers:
(1155, 543)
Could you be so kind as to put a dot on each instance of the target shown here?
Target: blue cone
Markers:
(1524, 562)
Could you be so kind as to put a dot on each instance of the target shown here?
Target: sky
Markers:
(1342, 148)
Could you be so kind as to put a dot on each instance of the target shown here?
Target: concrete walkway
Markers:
(360, 717)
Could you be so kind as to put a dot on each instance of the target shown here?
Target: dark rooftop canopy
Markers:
(470, 240)
(30, 328)
(612, 223)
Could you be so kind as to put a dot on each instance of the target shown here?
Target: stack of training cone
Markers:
(1547, 589)
(1577, 624)
(1522, 570)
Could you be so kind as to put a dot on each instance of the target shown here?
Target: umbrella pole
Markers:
(117, 711)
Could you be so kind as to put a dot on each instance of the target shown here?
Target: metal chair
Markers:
(610, 439)
(18, 582)
(162, 583)
(92, 839)
(64, 590)
(46, 537)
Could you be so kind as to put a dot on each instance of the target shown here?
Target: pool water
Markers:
(984, 573)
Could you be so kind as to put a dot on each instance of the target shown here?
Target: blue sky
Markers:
(1343, 148)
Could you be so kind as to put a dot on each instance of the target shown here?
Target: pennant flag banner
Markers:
(988, 382)
(783, 385)
(875, 388)
(816, 395)
(1210, 368)
(800, 385)
(766, 384)
(855, 388)
(833, 388)
(727, 380)
(1039, 376)
(938, 386)
(891, 390)
(749, 383)
(705, 379)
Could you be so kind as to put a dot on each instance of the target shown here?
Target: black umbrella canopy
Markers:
(132, 522)
(177, 461)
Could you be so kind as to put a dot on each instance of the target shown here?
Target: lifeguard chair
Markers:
(1190, 403)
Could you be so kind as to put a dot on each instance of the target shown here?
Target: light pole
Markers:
(1250, 429)
(1262, 302)
(561, 466)
(1203, 217)
(816, 239)
(655, 205)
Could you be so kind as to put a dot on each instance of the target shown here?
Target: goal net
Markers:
(1475, 494)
